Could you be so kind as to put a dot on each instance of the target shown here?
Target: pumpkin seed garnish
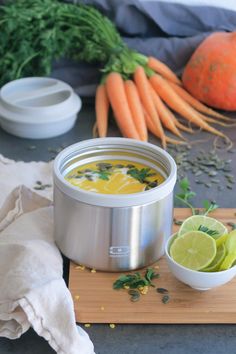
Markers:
(213, 173)
(213, 180)
(31, 147)
(177, 222)
(165, 299)
(40, 186)
(232, 225)
(198, 173)
(135, 295)
(202, 163)
(162, 291)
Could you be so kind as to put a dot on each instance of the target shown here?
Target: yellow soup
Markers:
(114, 177)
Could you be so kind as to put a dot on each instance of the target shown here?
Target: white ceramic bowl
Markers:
(195, 279)
(38, 107)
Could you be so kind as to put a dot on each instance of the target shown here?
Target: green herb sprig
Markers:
(135, 283)
(141, 174)
(186, 194)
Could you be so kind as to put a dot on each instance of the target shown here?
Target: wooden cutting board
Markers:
(96, 302)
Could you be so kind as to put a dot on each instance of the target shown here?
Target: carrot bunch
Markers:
(147, 100)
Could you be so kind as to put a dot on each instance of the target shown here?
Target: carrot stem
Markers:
(162, 69)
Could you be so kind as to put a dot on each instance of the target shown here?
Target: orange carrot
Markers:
(117, 97)
(95, 130)
(199, 106)
(162, 69)
(143, 87)
(154, 131)
(174, 101)
(166, 116)
(136, 109)
(101, 108)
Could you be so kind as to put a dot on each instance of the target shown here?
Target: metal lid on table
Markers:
(38, 107)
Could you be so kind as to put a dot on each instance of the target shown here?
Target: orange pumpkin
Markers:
(210, 74)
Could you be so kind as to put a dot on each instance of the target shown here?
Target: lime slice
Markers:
(215, 264)
(203, 223)
(194, 250)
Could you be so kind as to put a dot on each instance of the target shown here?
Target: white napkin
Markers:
(32, 290)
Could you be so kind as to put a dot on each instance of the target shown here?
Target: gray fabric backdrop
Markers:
(168, 31)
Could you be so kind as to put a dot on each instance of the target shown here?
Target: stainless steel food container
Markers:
(113, 232)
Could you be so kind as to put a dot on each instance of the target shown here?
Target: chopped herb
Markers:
(135, 283)
(150, 275)
(208, 231)
(140, 175)
(104, 175)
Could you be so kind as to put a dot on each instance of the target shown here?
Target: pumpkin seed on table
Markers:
(162, 291)
(165, 299)
(206, 165)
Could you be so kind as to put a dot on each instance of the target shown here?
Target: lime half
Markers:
(203, 223)
(194, 250)
(215, 264)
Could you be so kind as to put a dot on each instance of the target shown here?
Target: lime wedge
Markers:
(228, 261)
(231, 242)
(203, 223)
(215, 264)
(230, 245)
(194, 250)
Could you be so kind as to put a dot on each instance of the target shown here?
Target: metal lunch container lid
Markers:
(38, 107)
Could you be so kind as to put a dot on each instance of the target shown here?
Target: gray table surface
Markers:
(129, 339)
